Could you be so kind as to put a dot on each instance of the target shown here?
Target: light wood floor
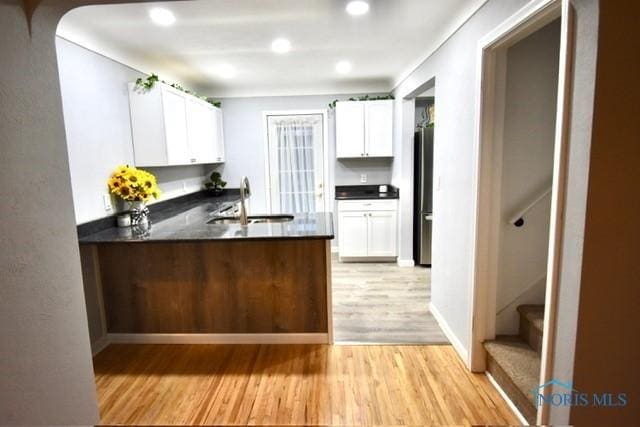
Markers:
(292, 384)
(383, 303)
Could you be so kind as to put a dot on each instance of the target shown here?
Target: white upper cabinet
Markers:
(171, 127)
(364, 129)
(175, 127)
(379, 128)
(349, 129)
(218, 131)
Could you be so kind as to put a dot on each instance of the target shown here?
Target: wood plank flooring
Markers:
(292, 384)
(383, 303)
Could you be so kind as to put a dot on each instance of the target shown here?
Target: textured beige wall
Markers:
(45, 359)
(607, 346)
(46, 373)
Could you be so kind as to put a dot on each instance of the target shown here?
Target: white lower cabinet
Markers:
(353, 228)
(367, 228)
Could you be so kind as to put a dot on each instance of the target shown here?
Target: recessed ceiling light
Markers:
(281, 45)
(343, 67)
(226, 71)
(357, 7)
(162, 17)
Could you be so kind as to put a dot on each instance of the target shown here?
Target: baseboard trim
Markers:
(366, 259)
(510, 403)
(406, 263)
(457, 345)
(100, 344)
(304, 338)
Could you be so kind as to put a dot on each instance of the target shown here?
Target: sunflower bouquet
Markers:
(133, 185)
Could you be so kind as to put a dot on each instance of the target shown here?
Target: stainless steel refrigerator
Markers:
(423, 196)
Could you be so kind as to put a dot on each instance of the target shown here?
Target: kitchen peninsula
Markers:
(197, 276)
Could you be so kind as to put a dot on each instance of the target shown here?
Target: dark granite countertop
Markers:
(187, 221)
(365, 192)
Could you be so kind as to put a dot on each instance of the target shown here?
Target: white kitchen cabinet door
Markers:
(379, 128)
(200, 131)
(175, 127)
(350, 132)
(170, 127)
(382, 234)
(216, 117)
(352, 238)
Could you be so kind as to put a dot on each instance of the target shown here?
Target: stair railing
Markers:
(518, 218)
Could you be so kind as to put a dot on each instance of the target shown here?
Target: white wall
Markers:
(454, 67)
(96, 115)
(527, 167)
(245, 145)
(46, 374)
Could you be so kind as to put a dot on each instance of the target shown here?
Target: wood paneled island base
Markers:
(216, 287)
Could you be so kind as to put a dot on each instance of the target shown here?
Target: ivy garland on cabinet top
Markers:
(147, 84)
(362, 98)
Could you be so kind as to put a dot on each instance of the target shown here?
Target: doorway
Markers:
(296, 161)
(520, 135)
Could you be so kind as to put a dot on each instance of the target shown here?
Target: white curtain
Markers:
(295, 156)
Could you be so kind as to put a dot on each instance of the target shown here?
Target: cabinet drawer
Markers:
(367, 205)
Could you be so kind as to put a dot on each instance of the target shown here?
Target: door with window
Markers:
(295, 162)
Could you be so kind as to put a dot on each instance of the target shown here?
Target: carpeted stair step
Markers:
(516, 368)
(532, 325)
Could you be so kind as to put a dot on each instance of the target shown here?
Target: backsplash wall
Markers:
(96, 114)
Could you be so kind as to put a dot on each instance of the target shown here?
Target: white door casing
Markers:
(318, 118)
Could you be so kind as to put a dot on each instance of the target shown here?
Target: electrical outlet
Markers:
(363, 178)
(106, 202)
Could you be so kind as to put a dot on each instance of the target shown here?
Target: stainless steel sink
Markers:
(224, 220)
(270, 218)
(257, 219)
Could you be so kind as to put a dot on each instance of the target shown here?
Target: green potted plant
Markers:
(216, 184)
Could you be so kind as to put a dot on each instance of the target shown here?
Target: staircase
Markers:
(514, 360)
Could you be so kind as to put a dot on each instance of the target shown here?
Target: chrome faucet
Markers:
(245, 192)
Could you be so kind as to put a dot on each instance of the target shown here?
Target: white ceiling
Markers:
(383, 45)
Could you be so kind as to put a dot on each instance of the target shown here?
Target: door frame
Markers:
(489, 107)
(326, 184)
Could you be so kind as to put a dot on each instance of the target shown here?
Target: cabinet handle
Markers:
(219, 159)
(367, 154)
